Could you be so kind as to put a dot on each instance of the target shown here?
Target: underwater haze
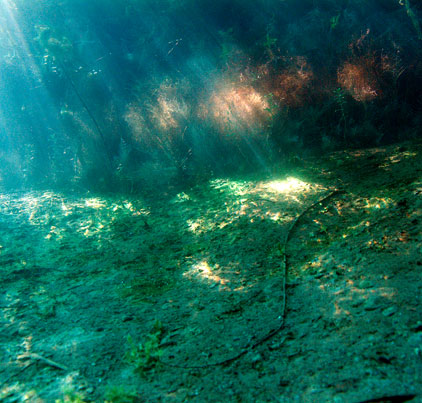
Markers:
(210, 201)
(108, 95)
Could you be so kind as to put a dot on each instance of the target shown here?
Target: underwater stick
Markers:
(249, 347)
(35, 356)
(47, 361)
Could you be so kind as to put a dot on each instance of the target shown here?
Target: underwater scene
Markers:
(210, 201)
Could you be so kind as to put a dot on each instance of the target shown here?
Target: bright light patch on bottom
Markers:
(288, 185)
(95, 203)
(203, 271)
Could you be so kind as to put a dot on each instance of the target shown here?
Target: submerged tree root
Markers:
(273, 332)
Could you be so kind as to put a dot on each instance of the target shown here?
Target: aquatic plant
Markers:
(269, 42)
(70, 396)
(145, 356)
(119, 394)
(340, 99)
(334, 21)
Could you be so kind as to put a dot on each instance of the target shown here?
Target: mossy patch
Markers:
(145, 288)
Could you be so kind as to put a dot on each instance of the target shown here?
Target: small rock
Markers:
(389, 311)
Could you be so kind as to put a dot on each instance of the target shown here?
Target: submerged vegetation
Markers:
(137, 94)
(145, 356)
